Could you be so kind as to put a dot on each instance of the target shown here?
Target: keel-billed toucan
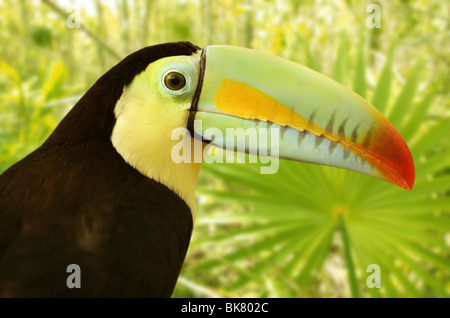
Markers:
(103, 191)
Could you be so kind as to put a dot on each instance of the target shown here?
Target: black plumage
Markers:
(76, 201)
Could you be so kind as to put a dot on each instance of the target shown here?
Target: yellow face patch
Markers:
(146, 115)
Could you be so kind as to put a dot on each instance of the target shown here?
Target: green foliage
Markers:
(42, 36)
(26, 102)
(307, 231)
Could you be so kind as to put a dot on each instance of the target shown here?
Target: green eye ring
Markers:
(174, 81)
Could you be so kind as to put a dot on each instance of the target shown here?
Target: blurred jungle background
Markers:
(306, 231)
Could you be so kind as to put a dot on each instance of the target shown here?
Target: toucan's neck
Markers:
(155, 162)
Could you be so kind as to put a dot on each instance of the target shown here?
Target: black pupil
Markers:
(174, 81)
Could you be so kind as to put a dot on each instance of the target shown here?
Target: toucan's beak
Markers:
(320, 121)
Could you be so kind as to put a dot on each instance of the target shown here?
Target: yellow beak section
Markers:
(320, 121)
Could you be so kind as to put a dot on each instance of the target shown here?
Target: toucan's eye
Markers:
(174, 81)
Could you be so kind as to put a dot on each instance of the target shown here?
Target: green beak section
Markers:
(317, 119)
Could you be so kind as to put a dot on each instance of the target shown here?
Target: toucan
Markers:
(103, 192)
